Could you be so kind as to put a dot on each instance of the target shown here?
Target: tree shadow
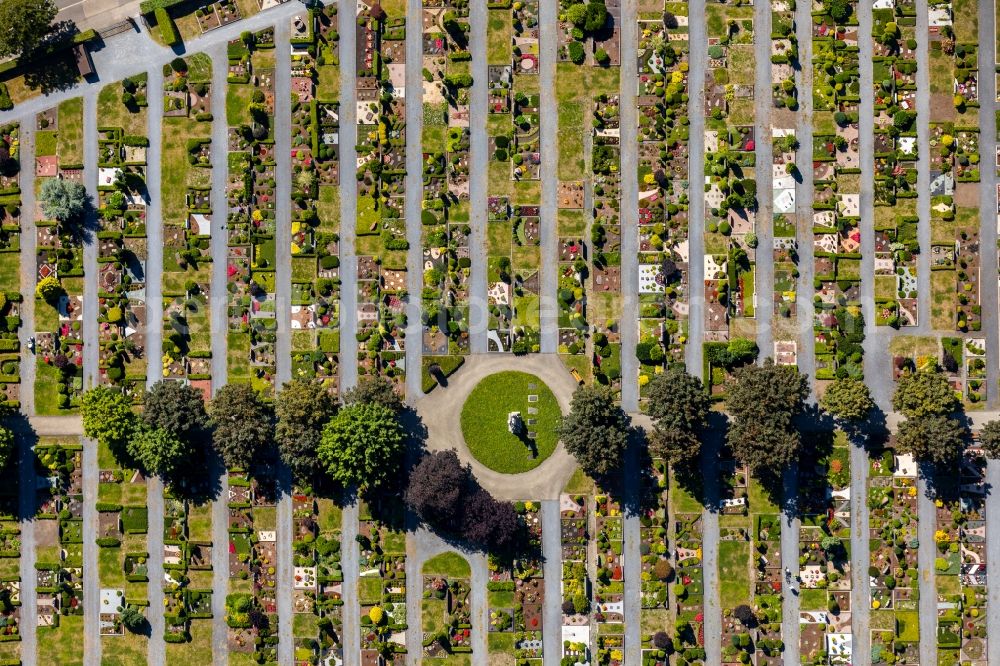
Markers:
(57, 73)
(201, 481)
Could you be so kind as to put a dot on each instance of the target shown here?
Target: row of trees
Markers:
(358, 444)
(763, 403)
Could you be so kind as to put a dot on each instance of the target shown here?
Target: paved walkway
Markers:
(220, 343)
(925, 566)
(26, 457)
(988, 199)
(697, 55)
(549, 128)
(860, 554)
(351, 612)
(764, 263)
(283, 348)
(347, 17)
(552, 572)
(154, 368)
(993, 551)
(479, 173)
(439, 411)
(414, 198)
(91, 359)
(710, 549)
(628, 143)
(804, 198)
(923, 172)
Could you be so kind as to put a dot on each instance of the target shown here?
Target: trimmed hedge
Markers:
(168, 30)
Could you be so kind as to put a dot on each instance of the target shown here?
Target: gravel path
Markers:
(923, 173)
(549, 128)
(91, 359)
(988, 197)
(283, 348)
(154, 368)
(347, 16)
(629, 137)
(26, 438)
(764, 264)
(552, 571)
(710, 546)
(479, 171)
(860, 582)
(351, 617)
(631, 555)
(414, 198)
(790, 525)
(698, 52)
(804, 198)
(218, 311)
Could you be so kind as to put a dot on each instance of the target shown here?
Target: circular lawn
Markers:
(484, 422)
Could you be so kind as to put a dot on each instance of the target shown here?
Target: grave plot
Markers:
(740, 496)
(59, 550)
(500, 280)
(251, 193)
(824, 540)
(318, 622)
(445, 610)
(58, 261)
(122, 557)
(381, 225)
(892, 502)
(11, 544)
(730, 205)
(505, 26)
(382, 581)
(731, 193)
(516, 598)
(687, 593)
(252, 569)
(609, 584)
(576, 604)
(445, 216)
(960, 563)
(658, 571)
(121, 246)
(187, 577)
(315, 308)
(186, 179)
(894, 70)
(663, 201)
(10, 264)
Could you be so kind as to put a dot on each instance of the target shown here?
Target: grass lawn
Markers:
(449, 565)
(46, 395)
(328, 86)
(734, 559)
(571, 158)
(111, 111)
(237, 98)
(128, 650)
(370, 589)
(200, 522)
(907, 626)
(944, 301)
(330, 515)
(484, 422)
(813, 599)
(198, 651)
(498, 37)
(62, 645)
(654, 620)
(69, 142)
(571, 223)
(176, 173)
(580, 484)
(912, 346)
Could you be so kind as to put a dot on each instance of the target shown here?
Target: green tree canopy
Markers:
(63, 200)
(371, 389)
(762, 403)
(989, 439)
(678, 406)
(848, 399)
(302, 409)
(108, 417)
(177, 408)
(839, 10)
(133, 619)
(24, 24)
(362, 446)
(243, 425)
(6, 446)
(49, 289)
(933, 438)
(595, 431)
(920, 394)
(159, 451)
